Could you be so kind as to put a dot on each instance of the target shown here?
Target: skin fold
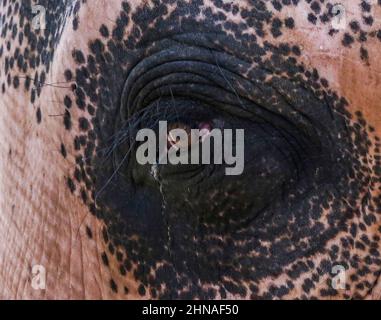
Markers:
(307, 95)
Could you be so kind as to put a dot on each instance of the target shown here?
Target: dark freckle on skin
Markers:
(315, 7)
(324, 82)
(354, 26)
(82, 140)
(84, 196)
(312, 18)
(142, 290)
(363, 37)
(71, 185)
(16, 82)
(89, 232)
(84, 124)
(153, 292)
(38, 115)
(75, 23)
(111, 248)
(105, 259)
(324, 18)
(97, 47)
(104, 31)
(90, 109)
(332, 32)
(365, 6)
(33, 96)
(347, 40)
(296, 51)
(277, 5)
(289, 23)
(113, 286)
(119, 256)
(67, 102)
(77, 175)
(364, 54)
(284, 49)
(63, 150)
(68, 75)
(368, 20)
(127, 265)
(275, 27)
(105, 235)
(67, 120)
(78, 56)
(122, 270)
(77, 144)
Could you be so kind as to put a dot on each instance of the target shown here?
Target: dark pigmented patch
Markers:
(75, 23)
(289, 23)
(315, 6)
(364, 54)
(105, 259)
(104, 31)
(38, 115)
(16, 82)
(365, 6)
(67, 102)
(347, 40)
(312, 18)
(63, 150)
(78, 56)
(113, 286)
(84, 124)
(354, 26)
(71, 185)
(368, 20)
(68, 75)
(89, 233)
(142, 290)
(67, 120)
(276, 26)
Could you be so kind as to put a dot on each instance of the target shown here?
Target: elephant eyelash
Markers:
(39, 84)
(147, 118)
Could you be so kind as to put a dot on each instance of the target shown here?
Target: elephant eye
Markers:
(211, 92)
(272, 161)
